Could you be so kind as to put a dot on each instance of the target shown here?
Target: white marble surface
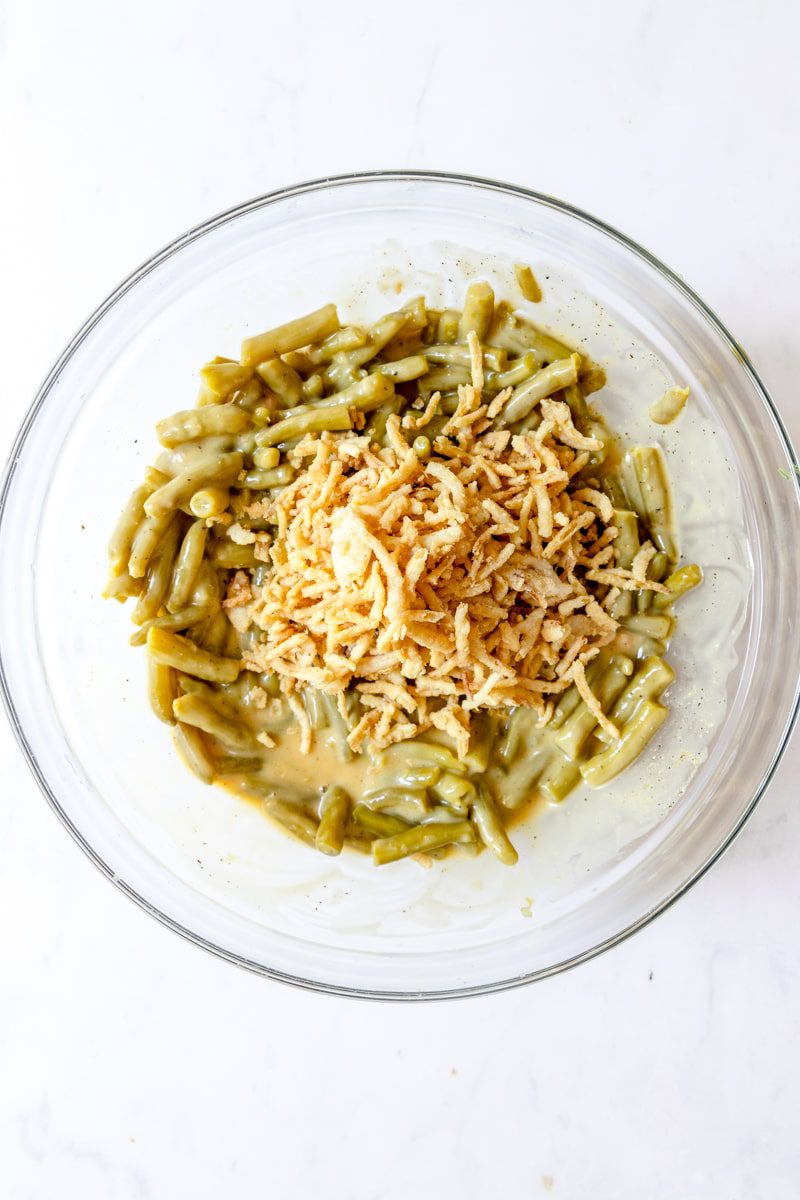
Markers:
(131, 1064)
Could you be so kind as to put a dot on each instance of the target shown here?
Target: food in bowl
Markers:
(398, 582)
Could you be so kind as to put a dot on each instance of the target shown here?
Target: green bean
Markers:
(225, 377)
(580, 416)
(209, 502)
(516, 373)
(513, 332)
(313, 387)
(266, 458)
(450, 355)
(282, 381)
(216, 633)
(313, 327)
(659, 565)
(277, 477)
(380, 334)
(481, 740)
(349, 337)
(528, 283)
(490, 828)
(417, 751)
(478, 311)
(159, 573)
(613, 488)
(176, 651)
(185, 618)
(187, 565)
(650, 470)
(455, 791)
(194, 423)
(653, 676)
(652, 625)
(337, 726)
(402, 370)
(122, 587)
(297, 822)
(193, 749)
(645, 722)
(375, 427)
(626, 544)
(637, 645)
(193, 710)
(679, 583)
(576, 730)
(419, 839)
(231, 556)
(411, 775)
(334, 810)
(250, 396)
(334, 417)
(443, 379)
(447, 327)
(546, 381)
(217, 697)
(518, 784)
(162, 690)
(211, 469)
(377, 823)
(206, 587)
(559, 777)
(421, 447)
(395, 795)
(126, 530)
(205, 395)
(232, 764)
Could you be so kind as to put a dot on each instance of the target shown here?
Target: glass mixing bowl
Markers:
(211, 867)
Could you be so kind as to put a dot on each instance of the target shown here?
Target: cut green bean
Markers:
(162, 690)
(193, 710)
(402, 370)
(645, 722)
(176, 651)
(282, 381)
(225, 377)
(421, 839)
(211, 469)
(679, 583)
(334, 809)
(541, 385)
(193, 750)
(293, 819)
(159, 574)
(178, 622)
(292, 336)
(651, 474)
(187, 566)
(266, 458)
(378, 824)
(210, 502)
(490, 828)
(126, 530)
(527, 283)
(277, 477)
(478, 311)
(194, 423)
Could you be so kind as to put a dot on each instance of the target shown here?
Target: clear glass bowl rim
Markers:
(320, 185)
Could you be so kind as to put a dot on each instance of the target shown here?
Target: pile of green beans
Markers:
(169, 554)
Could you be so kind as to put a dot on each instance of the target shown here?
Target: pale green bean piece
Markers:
(669, 407)
(652, 625)
(146, 541)
(447, 327)
(490, 829)
(679, 583)
(450, 355)
(417, 751)
(313, 327)
(651, 473)
(215, 633)
(608, 687)
(527, 283)
(185, 618)
(211, 469)
(513, 332)
(193, 710)
(412, 776)
(266, 458)
(541, 385)
(122, 587)
(210, 502)
(403, 370)
(559, 778)
(659, 565)
(277, 477)
(250, 396)
(518, 785)
(478, 311)
(282, 380)
(128, 526)
(313, 387)
(187, 566)
(375, 427)
(349, 337)
(638, 645)
(516, 373)
(211, 421)
(377, 823)
(332, 417)
(645, 722)
(162, 690)
(456, 791)
(422, 447)
(217, 697)
(231, 556)
(444, 379)
(193, 750)
(334, 810)
(159, 574)
(337, 726)
(294, 819)
(225, 377)
(176, 651)
(627, 547)
(650, 680)
(227, 765)
(420, 839)
(393, 795)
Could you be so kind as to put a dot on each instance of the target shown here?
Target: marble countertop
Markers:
(131, 1064)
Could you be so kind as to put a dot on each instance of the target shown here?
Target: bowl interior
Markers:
(589, 870)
